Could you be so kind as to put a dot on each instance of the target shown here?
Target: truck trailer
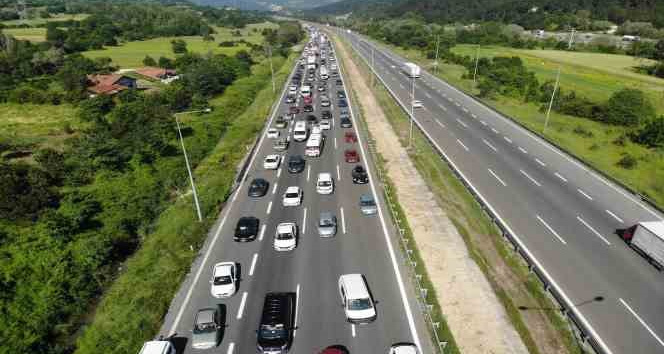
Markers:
(647, 238)
(410, 69)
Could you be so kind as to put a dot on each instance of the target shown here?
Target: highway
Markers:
(564, 213)
(363, 244)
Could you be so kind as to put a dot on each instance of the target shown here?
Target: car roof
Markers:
(366, 197)
(258, 180)
(275, 308)
(247, 219)
(404, 349)
(292, 189)
(324, 176)
(223, 268)
(205, 315)
(155, 347)
(355, 284)
(285, 227)
(325, 215)
(272, 156)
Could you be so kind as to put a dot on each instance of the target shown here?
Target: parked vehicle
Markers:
(326, 115)
(335, 349)
(417, 104)
(207, 329)
(307, 100)
(246, 229)
(308, 108)
(275, 330)
(285, 239)
(311, 119)
(224, 279)
(293, 110)
(325, 124)
(411, 70)
(339, 82)
(258, 187)
(356, 299)
(342, 103)
(341, 94)
(291, 97)
(324, 101)
(647, 238)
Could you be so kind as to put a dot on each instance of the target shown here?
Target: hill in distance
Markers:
(267, 5)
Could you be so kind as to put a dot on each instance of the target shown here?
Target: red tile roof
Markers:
(156, 73)
(105, 84)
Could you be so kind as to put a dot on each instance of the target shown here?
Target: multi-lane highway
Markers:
(363, 244)
(561, 210)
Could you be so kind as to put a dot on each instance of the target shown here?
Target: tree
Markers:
(166, 63)
(24, 191)
(178, 46)
(659, 50)
(628, 107)
(652, 134)
(149, 61)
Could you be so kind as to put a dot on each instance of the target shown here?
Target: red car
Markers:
(308, 100)
(350, 137)
(294, 110)
(335, 349)
(351, 156)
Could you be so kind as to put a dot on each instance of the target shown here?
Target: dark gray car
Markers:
(207, 329)
(368, 204)
(327, 224)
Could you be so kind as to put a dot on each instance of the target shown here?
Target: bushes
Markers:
(628, 107)
(652, 134)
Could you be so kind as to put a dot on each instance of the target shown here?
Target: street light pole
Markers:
(269, 50)
(477, 59)
(372, 65)
(186, 160)
(412, 112)
(571, 39)
(548, 111)
(437, 46)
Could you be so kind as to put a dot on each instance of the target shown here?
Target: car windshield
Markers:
(326, 222)
(284, 236)
(273, 332)
(359, 304)
(324, 183)
(271, 159)
(367, 202)
(291, 195)
(222, 280)
(206, 327)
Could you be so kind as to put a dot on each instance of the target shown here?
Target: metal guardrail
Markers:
(586, 333)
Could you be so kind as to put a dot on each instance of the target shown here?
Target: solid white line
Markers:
(462, 123)
(274, 188)
(352, 330)
(253, 264)
(489, 145)
(540, 162)
(643, 323)
(560, 176)
(335, 142)
(343, 220)
(269, 208)
(498, 178)
(262, 234)
(483, 122)
(495, 130)
(440, 123)
(508, 139)
(338, 173)
(551, 230)
(304, 221)
(584, 194)
(240, 310)
(614, 216)
(297, 307)
(279, 172)
(460, 143)
(593, 230)
(530, 178)
(523, 150)
(231, 347)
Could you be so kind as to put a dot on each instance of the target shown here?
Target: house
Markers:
(109, 84)
(164, 75)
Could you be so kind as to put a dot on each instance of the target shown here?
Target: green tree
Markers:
(178, 46)
(149, 61)
(659, 50)
(628, 107)
(166, 63)
(24, 191)
(652, 134)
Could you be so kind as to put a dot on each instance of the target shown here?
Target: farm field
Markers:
(41, 21)
(32, 34)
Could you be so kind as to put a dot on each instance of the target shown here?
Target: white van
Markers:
(300, 132)
(356, 299)
(158, 347)
(314, 145)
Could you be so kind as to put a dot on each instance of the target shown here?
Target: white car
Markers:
(417, 104)
(292, 196)
(404, 348)
(272, 133)
(272, 162)
(325, 183)
(224, 279)
(325, 124)
(285, 239)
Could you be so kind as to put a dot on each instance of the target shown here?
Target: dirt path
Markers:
(473, 312)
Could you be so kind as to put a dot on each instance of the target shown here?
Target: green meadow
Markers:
(32, 34)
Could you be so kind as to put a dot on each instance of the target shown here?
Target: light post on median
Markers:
(437, 46)
(186, 160)
(548, 111)
(412, 112)
(477, 60)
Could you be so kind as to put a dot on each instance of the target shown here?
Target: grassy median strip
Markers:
(475, 227)
(132, 309)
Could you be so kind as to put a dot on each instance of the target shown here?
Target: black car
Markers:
(246, 229)
(275, 331)
(340, 83)
(258, 187)
(360, 175)
(342, 103)
(295, 164)
(346, 123)
(311, 119)
(326, 115)
(341, 94)
(308, 108)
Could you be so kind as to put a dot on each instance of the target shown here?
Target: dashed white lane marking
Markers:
(424, 108)
(507, 139)
(308, 172)
(483, 123)
(427, 94)
(444, 94)
(584, 194)
(530, 178)
(440, 123)
(352, 330)
(240, 310)
(279, 172)
(274, 188)
(460, 143)
(540, 162)
(495, 130)
(335, 142)
(643, 323)
(523, 150)
(297, 307)
(474, 116)
(489, 145)
(253, 264)
(457, 104)
(614, 216)
(465, 109)
(338, 173)
(231, 347)
(304, 221)
(262, 234)
(442, 107)
(343, 220)
(561, 177)
(551, 230)
(449, 99)
(593, 230)
(498, 178)
(462, 123)
(269, 207)
(401, 85)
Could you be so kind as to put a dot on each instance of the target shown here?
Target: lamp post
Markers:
(412, 112)
(477, 59)
(437, 46)
(186, 160)
(548, 111)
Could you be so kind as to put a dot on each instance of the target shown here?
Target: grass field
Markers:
(131, 54)
(41, 125)
(41, 21)
(33, 34)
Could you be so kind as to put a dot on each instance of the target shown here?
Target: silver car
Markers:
(207, 329)
(327, 224)
(368, 204)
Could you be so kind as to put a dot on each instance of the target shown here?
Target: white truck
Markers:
(647, 238)
(410, 69)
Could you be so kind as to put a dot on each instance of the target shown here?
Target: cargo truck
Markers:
(410, 69)
(647, 238)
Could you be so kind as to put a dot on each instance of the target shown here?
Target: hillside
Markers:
(266, 5)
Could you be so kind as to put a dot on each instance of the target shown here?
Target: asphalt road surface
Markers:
(363, 244)
(561, 210)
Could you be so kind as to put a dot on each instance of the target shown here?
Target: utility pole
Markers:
(477, 60)
(191, 176)
(571, 39)
(548, 111)
(412, 112)
(372, 66)
(437, 45)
